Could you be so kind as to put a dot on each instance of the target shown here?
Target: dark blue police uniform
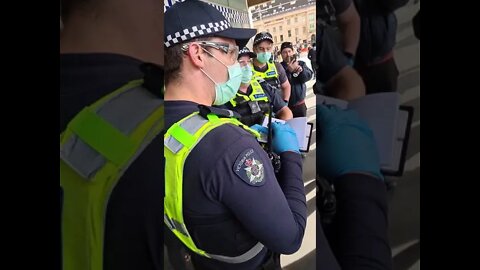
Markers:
(224, 210)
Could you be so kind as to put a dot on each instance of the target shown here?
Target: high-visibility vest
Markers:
(96, 148)
(270, 75)
(179, 140)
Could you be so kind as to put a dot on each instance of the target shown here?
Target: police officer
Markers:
(298, 74)
(110, 117)
(263, 68)
(254, 97)
(223, 201)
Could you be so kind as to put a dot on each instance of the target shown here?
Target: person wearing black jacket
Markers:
(356, 235)
(298, 74)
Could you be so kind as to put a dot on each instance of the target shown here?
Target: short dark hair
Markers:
(173, 62)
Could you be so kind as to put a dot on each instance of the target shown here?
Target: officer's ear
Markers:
(197, 55)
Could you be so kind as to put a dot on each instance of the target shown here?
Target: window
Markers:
(267, 30)
(312, 26)
(311, 17)
(288, 21)
(289, 33)
(296, 31)
(274, 29)
(280, 28)
(281, 38)
(275, 38)
(296, 19)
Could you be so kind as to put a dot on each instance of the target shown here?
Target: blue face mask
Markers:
(263, 57)
(246, 74)
(224, 92)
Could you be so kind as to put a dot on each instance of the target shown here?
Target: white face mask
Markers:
(224, 92)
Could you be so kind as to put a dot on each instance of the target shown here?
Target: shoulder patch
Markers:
(249, 167)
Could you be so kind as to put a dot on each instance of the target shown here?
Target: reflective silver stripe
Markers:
(80, 157)
(125, 112)
(173, 224)
(172, 144)
(251, 253)
(239, 259)
(191, 125)
(130, 108)
(169, 224)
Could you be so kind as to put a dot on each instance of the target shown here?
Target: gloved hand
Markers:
(345, 144)
(284, 138)
(260, 128)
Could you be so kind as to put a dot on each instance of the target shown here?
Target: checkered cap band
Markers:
(244, 50)
(263, 37)
(196, 31)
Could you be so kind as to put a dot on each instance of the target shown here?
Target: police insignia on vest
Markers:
(249, 168)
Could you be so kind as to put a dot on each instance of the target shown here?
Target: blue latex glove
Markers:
(345, 144)
(284, 138)
(260, 128)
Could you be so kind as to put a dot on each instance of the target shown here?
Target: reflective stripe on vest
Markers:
(270, 73)
(257, 94)
(179, 140)
(97, 147)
